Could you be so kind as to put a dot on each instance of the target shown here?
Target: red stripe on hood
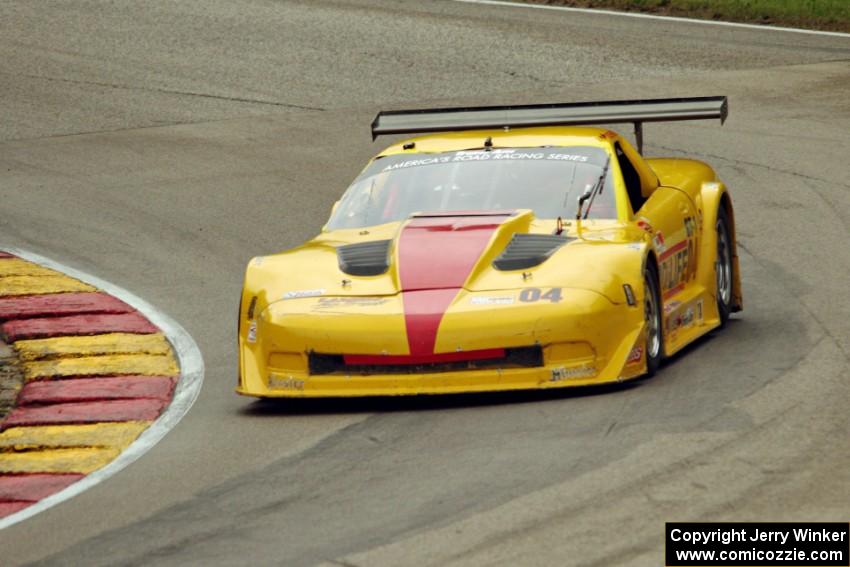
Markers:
(436, 256)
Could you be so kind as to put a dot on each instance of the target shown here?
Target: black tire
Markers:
(724, 267)
(653, 315)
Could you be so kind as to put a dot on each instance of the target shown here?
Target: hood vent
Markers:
(528, 250)
(364, 258)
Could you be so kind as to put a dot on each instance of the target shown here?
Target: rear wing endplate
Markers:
(564, 114)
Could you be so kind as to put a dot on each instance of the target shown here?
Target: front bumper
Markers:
(585, 340)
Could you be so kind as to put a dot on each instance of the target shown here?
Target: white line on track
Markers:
(651, 17)
(185, 393)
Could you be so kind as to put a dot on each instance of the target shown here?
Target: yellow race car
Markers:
(509, 248)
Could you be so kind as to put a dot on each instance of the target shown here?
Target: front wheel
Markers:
(724, 275)
(652, 317)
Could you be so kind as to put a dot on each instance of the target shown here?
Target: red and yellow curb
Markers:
(96, 374)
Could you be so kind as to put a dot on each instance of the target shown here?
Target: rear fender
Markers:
(714, 195)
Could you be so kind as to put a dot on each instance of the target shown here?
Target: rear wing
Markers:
(563, 114)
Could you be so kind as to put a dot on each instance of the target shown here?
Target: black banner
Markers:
(739, 544)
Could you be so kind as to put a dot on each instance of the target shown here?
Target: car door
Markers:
(671, 216)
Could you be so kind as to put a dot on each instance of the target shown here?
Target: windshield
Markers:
(547, 180)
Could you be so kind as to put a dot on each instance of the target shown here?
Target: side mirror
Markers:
(581, 201)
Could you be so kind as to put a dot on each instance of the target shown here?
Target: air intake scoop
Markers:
(364, 258)
(528, 250)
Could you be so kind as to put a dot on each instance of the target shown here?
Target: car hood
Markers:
(476, 251)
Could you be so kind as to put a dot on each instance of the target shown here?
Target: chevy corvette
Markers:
(504, 248)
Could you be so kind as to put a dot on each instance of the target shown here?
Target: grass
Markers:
(831, 15)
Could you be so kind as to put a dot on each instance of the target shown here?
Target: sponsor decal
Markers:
(303, 293)
(690, 226)
(417, 162)
(285, 382)
(252, 332)
(678, 263)
(534, 294)
(671, 306)
(658, 240)
(675, 267)
(489, 155)
(562, 373)
(331, 302)
(492, 300)
(643, 223)
(635, 355)
(567, 157)
(693, 314)
(684, 319)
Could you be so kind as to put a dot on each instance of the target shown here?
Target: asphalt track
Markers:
(160, 145)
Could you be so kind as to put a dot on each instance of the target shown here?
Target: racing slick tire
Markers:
(724, 267)
(652, 313)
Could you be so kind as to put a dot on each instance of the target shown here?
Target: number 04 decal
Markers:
(532, 294)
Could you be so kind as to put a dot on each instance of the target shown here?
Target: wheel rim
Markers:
(653, 327)
(724, 265)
